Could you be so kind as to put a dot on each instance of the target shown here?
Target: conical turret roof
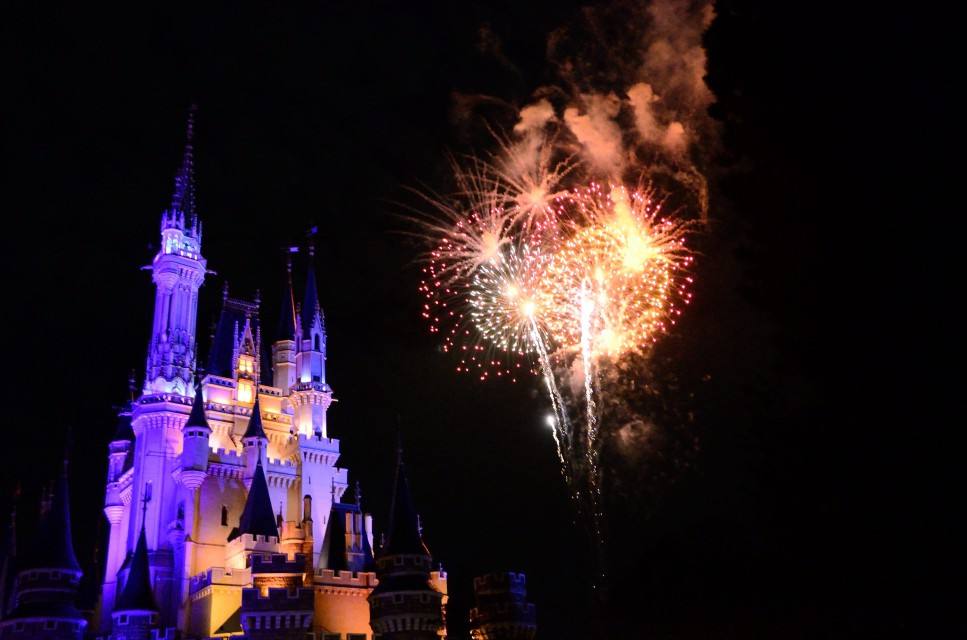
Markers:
(257, 517)
(255, 428)
(197, 416)
(310, 302)
(137, 594)
(53, 547)
(404, 530)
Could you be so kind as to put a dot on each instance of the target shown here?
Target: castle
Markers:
(228, 513)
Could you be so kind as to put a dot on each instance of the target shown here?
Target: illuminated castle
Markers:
(228, 513)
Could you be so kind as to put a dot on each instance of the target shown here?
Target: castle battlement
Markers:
(226, 455)
(277, 563)
(222, 577)
(502, 582)
(280, 463)
(353, 579)
(277, 600)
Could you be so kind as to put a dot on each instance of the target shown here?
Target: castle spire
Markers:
(137, 594)
(404, 536)
(183, 195)
(197, 416)
(178, 271)
(286, 330)
(255, 428)
(257, 517)
(311, 309)
(53, 544)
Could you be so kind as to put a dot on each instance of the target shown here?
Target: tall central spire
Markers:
(178, 271)
(183, 196)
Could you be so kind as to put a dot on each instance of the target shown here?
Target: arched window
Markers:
(224, 516)
(316, 343)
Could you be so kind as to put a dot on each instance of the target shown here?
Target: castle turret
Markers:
(406, 605)
(502, 611)
(120, 457)
(255, 443)
(135, 614)
(178, 271)
(195, 447)
(257, 530)
(47, 579)
(311, 395)
(346, 544)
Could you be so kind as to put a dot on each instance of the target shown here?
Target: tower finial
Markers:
(183, 198)
(132, 386)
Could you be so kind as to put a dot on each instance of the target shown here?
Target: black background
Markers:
(814, 497)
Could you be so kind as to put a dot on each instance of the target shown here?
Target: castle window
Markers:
(50, 624)
(18, 627)
(181, 510)
(123, 619)
(224, 516)
(398, 561)
(397, 598)
(331, 636)
(316, 343)
(356, 636)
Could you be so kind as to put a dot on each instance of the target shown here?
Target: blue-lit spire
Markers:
(137, 594)
(311, 309)
(183, 196)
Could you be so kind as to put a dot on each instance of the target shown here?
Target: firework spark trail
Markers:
(562, 428)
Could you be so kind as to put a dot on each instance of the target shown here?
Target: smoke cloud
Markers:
(633, 98)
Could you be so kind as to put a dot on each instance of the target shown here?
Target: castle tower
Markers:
(47, 579)
(284, 347)
(311, 395)
(346, 572)
(257, 529)
(255, 443)
(178, 271)
(119, 460)
(408, 603)
(135, 615)
(502, 611)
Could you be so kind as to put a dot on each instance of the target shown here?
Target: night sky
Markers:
(806, 494)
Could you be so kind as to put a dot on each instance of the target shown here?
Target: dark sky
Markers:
(798, 501)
